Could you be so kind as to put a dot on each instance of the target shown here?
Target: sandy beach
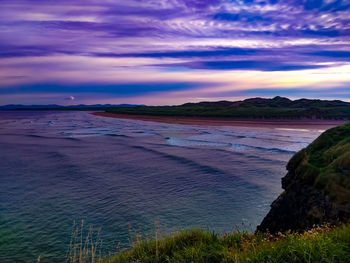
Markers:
(209, 121)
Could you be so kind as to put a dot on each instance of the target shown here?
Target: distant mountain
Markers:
(274, 102)
(60, 107)
(275, 108)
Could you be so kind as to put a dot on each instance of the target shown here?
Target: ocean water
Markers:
(125, 175)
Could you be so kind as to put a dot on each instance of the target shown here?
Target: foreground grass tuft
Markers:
(321, 244)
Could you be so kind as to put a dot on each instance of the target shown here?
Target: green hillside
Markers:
(277, 107)
(325, 164)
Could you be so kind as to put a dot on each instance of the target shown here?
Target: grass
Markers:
(321, 244)
(85, 245)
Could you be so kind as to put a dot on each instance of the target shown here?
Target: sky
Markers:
(167, 52)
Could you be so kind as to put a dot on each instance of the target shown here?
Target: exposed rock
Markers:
(300, 207)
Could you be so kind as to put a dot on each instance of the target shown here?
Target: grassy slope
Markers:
(320, 244)
(252, 108)
(326, 163)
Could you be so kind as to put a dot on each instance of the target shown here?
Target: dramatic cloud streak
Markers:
(172, 51)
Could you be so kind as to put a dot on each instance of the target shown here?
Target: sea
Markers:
(132, 178)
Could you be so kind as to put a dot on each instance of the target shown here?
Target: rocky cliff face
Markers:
(317, 185)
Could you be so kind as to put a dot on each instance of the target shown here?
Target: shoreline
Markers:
(217, 121)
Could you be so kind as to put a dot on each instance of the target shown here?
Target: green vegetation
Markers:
(321, 244)
(326, 164)
(277, 107)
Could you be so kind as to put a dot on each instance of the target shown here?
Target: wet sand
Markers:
(210, 121)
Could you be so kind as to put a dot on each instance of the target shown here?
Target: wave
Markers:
(216, 174)
(117, 135)
(72, 139)
(246, 146)
(234, 146)
(55, 155)
(86, 132)
(35, 136)
(263, 138)
(194, 142)
(183, 160)
(41, 136)
(293, 129)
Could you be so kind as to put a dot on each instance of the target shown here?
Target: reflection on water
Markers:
(56, 167)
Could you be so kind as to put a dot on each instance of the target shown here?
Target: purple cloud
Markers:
(71, 41)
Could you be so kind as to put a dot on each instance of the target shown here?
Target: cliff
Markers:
(317, 185)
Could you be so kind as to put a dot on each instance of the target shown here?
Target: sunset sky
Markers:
(165, 52)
